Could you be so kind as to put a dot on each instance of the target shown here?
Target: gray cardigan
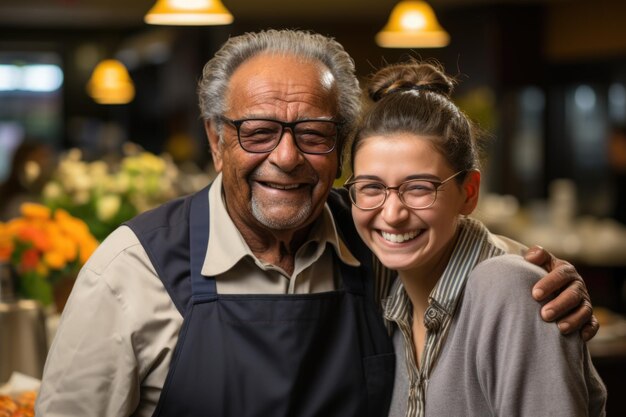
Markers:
(501, 359)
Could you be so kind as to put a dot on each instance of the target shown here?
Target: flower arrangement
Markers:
(43, 247)
(105, 195)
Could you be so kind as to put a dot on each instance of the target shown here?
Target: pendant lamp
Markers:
(188, 13)
(412, 24)
(110, 83)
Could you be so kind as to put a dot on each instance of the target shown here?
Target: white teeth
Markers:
(282, 187)
(399, 238)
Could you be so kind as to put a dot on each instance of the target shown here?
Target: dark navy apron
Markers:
(323, 354)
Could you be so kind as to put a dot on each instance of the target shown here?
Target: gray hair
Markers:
(217, 72)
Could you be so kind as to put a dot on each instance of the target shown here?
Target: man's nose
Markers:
(286, 155)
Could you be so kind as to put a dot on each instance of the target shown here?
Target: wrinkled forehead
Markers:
(270, 79)
(266, 63)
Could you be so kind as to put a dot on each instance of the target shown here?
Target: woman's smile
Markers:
(400, 237)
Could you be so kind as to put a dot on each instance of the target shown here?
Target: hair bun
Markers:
(412, 75)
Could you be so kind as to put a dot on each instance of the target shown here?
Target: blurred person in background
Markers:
(254, 296)
(32, 165)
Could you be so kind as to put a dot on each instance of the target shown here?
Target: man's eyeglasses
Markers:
(415, 194)
(313, 136)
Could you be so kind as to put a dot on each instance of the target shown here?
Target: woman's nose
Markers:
(394, 210)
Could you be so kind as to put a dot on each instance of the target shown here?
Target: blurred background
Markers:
(545, 78)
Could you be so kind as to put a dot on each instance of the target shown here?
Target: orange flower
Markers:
(66, 246)
(87, 246)
(5, 253)
(34, 233)
(55, 260)
(35, 211)
(47, 241)
(29, 260)
(6, 243)
(43, 244)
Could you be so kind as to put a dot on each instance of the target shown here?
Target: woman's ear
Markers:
(471, 188)
(215, 144)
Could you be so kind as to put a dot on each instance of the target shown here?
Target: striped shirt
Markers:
(474, 244)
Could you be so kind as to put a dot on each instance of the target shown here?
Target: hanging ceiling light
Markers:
(412, 24)
(188, 13)
(110, 83)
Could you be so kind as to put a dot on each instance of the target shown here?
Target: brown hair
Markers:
(414, 97)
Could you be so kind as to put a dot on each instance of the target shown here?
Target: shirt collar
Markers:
(473, 246)
(227, 246)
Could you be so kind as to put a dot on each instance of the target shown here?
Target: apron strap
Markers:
(198, 242)
(352, 277)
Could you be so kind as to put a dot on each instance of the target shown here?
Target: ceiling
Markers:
(129, 13)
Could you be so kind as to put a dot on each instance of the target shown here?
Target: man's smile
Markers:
(281, 186)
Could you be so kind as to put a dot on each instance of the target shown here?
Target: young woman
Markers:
(466, 334)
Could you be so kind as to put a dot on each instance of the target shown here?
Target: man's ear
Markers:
(214, 143)
(471, 187)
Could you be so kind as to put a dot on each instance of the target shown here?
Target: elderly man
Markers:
(253, 297)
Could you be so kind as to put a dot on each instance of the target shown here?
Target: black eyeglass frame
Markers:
(436, 184)
(236, 123)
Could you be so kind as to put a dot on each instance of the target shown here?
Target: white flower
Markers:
(98, 169)
(82, 183)
(107, 206)
(32, 169)
(123, 182)
(74, 154)
(80, 197)
(52, 191)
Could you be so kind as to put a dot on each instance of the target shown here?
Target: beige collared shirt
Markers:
(116, 337)
(237, 270)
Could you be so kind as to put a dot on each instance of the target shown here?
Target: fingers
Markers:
(572, 306)
(567, 303)
(577, 319)
(562, 274)
(539, 256)
(590, 329)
